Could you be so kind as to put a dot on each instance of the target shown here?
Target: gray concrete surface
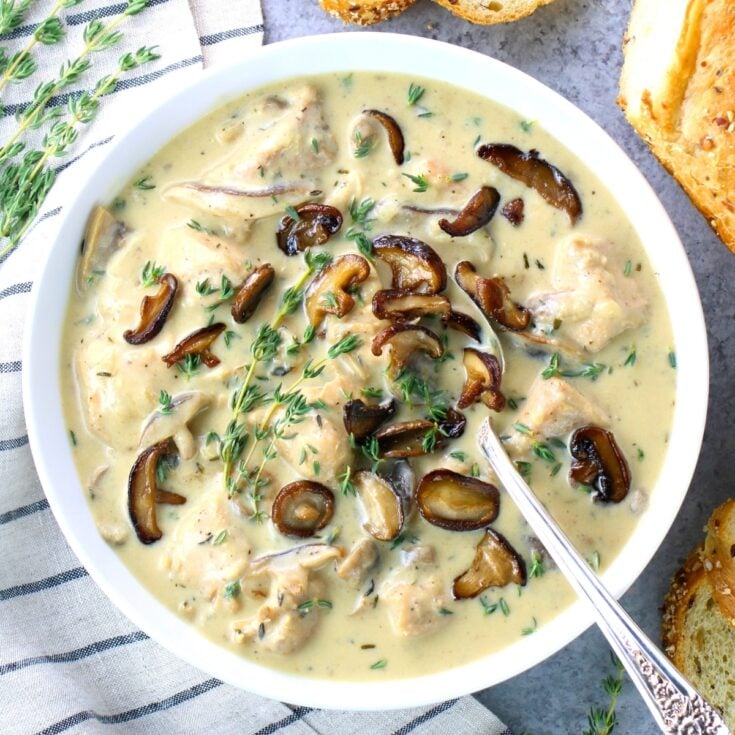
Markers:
(573, 46)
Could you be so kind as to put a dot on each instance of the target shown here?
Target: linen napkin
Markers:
(69, 661)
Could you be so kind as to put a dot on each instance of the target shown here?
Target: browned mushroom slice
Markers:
(476, 213)
(453, 424)
(492, 295)
(302, 508)
(415, 266)
(102, 237)
(404, 306)
(328, 292)
(315, 225)
(143, 493)
(361, 419)
(536, 173)
(395, 136)
(153, 312)
(513, 212)
(456, 502)
(406, 439)
(382, 505)
(251, 291)
(464, 323)
(197, 343)
(599, 463)
(482, 381)
(406, 340)
(496, 564)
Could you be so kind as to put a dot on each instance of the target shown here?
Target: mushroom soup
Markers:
(283, 339)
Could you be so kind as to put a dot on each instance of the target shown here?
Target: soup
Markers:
(284, 337)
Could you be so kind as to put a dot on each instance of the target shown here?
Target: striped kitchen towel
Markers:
(69, 661)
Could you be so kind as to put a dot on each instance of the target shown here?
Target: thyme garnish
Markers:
(603, 721)
(415, 93)
(363, 146)
(165, 406)
(591, 370)
(306, 607)
(151, 273)
(420, 181)
(144, 183)
(537, 565)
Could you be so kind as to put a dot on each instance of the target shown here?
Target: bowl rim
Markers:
(352, 51)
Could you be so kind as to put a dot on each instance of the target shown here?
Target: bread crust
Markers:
(719, 558)
(489, 12)
(365, 12)
(689, 120)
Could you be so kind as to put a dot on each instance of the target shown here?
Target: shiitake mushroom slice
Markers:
(405, 439)
(496, 564)
(599, 463)
(464, 323)
(513, 211)
(416, 266)
(457, 502)
(328, 292)
(482, 382)
(361, 419)
(302, 508)
(404, 306)
(393, 130)
(251, 291)
(536, 173)
(316, 223)
(153, 312)
(197, 343)
(492, 295)
(382, 505)
(478, 211)
(143, 492)
(453, 424)
(405, 340)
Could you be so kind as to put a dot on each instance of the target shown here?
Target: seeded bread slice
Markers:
(698, 639)
(489, 12)
(365, 12)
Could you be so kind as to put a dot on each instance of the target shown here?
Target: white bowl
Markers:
(332, 53)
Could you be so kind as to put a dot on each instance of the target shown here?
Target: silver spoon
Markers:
(675, 704)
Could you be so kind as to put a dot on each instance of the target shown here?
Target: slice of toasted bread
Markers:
(489, 12)
(698, 639)
(719, 558)
(365, 12)
(677, 89)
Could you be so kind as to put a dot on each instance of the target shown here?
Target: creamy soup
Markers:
(284, 337)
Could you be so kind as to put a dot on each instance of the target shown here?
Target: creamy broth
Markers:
(303, 134)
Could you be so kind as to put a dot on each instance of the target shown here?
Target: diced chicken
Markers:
(192, 559)
(362, 557)
(552, 408)
(413, 606)
(284, 139)
(592, 298)
(418, 556)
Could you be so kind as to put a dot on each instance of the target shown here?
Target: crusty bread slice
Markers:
(719, 558)
(489, 12)
(677, 89)
(698, 639)
(365, 12)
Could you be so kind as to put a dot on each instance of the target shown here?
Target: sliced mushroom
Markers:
(476, 213)
(536, 173)
(328, 292)
(464, 323)
(492, 295)
(453, 424)
(251, 291)
(496, 564)
(315, 225)
(457, 502)
(143, 493)
(153, 312)
(405, 341)
(483, 380)
(381, 504)
(513, 212)
(101, 237)
(395, 136)
(404, 306)
(361, 419)
(406, 439)
(197, 343)
(416, 266)
(302, 508)
(173, 423)
(599, 463)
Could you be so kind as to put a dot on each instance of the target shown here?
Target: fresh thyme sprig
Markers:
(12, 14)
(601, 721)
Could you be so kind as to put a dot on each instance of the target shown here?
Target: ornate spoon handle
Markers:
(675, 704)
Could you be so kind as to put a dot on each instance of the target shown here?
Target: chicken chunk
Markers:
(362, 557)
(413, 606)
(553, 408)
(593, 299)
